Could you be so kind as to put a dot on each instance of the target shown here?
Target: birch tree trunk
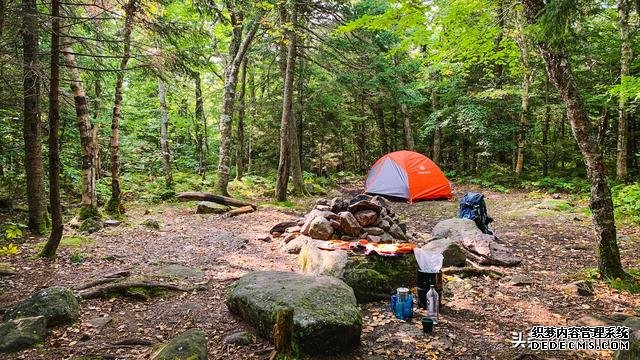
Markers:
(115, 203)
(95, 132)
(559, 70)
(287, 114)
(237, 52)
(523, 44)
(89, 203)
(624, 7)
(164, 140)
(38, 221)
(49, 250)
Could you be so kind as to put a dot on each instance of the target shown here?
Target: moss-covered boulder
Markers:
(190, 345)
(21, 333)
(326, 317)
(208, 207)
(57, 304)
(371, 277)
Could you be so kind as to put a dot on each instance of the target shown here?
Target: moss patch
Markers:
(73, 242)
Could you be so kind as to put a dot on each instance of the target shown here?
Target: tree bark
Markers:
(406, 123)
(624, 7)
(287, 112)
(559, 70)
(50, 248)
(283, 333)
(95, 132)
(437, 132)
(115, 202)
(237, 52)
(240, 129)
(378, 111)
(89, 203)
(545, 129)
(522, 42)
(200, 120)
(38, 221)
(164, 138)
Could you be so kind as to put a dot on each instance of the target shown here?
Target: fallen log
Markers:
(126, 286)
(106, 278)
(224, 200)
(240, 211)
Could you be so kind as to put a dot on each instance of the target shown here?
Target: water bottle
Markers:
(433, 304)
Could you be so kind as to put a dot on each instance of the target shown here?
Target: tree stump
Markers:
(283, 333)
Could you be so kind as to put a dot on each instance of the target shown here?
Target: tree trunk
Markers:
(49, 250)
(287, 113)
(559, 69)
(545, 129)
(406, 123)
(95, 132)
(38, 219)
(437, 132)
(624, 7)
(254, 116)
(89, 204)
(199, 120)
(378, 111)
(240, 129)
(237, 51)
(526, 83)
(164, 141)
(115, 202)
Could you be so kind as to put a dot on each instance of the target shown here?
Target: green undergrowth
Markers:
(626, 200)
(630, 284)
(74, 242)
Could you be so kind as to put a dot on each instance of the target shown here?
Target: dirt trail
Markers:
(478, 317)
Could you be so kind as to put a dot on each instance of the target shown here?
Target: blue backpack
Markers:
(473, 207)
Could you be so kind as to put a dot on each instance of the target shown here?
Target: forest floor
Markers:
(478, 316)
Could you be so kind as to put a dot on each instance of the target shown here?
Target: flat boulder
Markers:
(209, 207)
(452, 253)
(364, 205)
(371, 277)
(22, 333)
(190, 345)
(485, 250)
(326, 317)
(455, 229)
(57, 304)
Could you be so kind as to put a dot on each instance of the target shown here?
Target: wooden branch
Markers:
(106, 278)
(241, 210)
(224, 200)
(282, 332)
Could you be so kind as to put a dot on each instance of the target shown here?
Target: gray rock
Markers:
(366, 217)
(634, 341)
(111, 222)
(320, 228)
(209, 207)
(323, 207)
(359, 197)
(99, 323)
(57, 304)
(190, 345)
(293, 229)
(349, 224)
(335, 224)
(397, 232)
(484, 250)
(290, 237)
(326, 317)
(347, 238)
(386, 238)
(321, 201)
(22, 333)
(384, 225)
(452, 253)
(371, 277)
(180, 271)
(372, 230)
(241, 338)
(338, 205)
(314, 214)
(455, 229)
(151, 223)
(374, 238)
(520, 280)
(379, 200)
(582, 288)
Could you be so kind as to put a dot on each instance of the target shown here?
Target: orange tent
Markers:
(407, 175)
